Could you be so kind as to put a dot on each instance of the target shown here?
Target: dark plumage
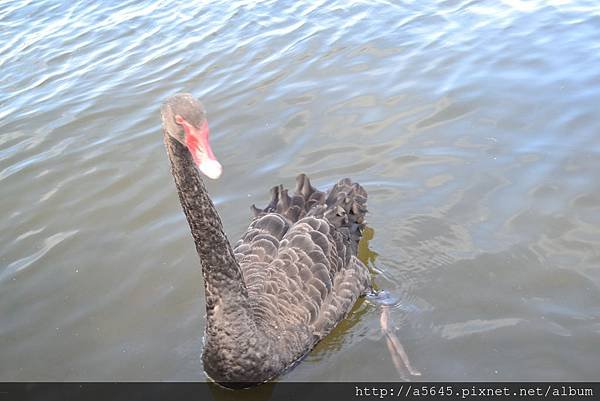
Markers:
(286, 283)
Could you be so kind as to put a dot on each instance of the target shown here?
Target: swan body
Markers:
(290, 279)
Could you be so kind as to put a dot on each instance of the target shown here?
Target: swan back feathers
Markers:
(298, 260)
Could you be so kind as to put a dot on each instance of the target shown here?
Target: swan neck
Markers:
(219, 267)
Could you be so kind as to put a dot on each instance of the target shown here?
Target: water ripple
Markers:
(48, 244)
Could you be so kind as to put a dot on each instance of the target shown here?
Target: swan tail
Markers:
(344, 205)
(346, 208)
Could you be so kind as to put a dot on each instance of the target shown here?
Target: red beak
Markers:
(198, 144)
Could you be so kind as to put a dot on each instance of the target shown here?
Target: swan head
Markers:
(184, 119)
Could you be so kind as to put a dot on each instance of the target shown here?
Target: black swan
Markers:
(290, 279)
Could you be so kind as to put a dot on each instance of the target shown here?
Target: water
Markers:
(472, 124)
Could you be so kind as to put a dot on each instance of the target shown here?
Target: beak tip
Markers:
(211, 168)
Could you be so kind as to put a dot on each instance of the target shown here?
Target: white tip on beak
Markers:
(211, 168)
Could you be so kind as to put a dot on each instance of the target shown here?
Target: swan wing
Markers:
(298, 258)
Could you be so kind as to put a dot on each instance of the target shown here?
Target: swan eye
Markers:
(179, 120)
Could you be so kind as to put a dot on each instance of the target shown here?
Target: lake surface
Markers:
(472, 124)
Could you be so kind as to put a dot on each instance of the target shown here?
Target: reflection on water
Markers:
(472, 125)
(386, 302)
(366, 254)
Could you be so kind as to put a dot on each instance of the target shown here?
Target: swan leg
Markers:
(399, 356)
